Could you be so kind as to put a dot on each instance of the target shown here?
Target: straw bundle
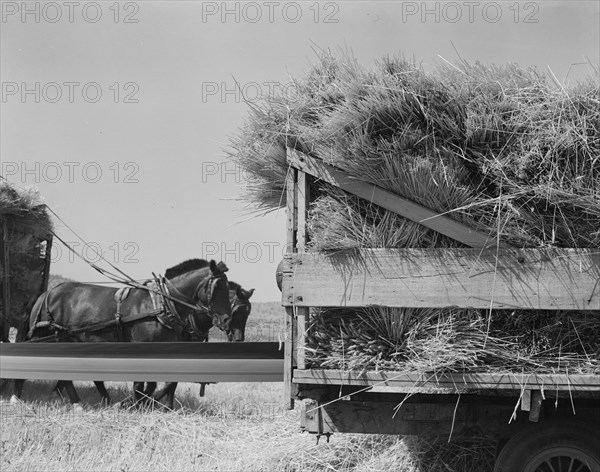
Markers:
(27, 223)
(418, 340)
(500, 148)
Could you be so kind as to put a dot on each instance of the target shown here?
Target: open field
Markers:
(234, 427)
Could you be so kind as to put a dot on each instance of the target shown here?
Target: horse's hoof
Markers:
(77, 408)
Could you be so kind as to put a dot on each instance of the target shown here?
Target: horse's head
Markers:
(214, 295)
(240, 310)
(206, 284)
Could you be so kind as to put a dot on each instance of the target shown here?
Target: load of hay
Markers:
(25, 227)
(506, 150)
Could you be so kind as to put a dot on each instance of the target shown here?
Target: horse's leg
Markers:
(67, 387)
(161, 393)
(17, 390)
(170, 394)
(71, 392)
(167, 392)
(146, 394)
(138, 392)
(150, 388)
(102, 391)
(202, 388)
(59, 388)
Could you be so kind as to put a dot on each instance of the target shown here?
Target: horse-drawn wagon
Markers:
(141, 332)
(541, 421)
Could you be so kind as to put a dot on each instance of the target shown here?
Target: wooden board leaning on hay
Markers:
(25, 244)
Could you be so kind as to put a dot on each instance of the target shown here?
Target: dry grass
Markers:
(454, 340)
(236, 427)
(499, 147)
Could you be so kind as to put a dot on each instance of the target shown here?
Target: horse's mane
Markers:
(186, 266)
(233, 285)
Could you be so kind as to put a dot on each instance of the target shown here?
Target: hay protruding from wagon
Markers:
(502, 149)
(25, 228)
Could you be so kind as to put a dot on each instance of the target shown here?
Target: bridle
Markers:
(174, 296)
(237, 304)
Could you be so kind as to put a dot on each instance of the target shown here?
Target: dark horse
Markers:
(240, 310)
(80, 312)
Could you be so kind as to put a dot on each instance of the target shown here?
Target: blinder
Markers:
(213, 282)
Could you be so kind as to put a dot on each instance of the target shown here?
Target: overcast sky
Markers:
(120, 112)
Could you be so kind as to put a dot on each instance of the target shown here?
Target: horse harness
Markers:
(238, 303)
(165, 312)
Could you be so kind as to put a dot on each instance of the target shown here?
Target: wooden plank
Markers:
(545, 279)
(161, 362)
(302, 201)
(448, 420)
(418, 419)
(536, 406)
(390, 201)
(288, 359)
(458, 383)
(291, 247)
(6, 268)
(526, 400)
(147, 350)
(291, 207)
(147, 370)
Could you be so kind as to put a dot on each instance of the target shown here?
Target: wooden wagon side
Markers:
(14, 260)
(486, 276)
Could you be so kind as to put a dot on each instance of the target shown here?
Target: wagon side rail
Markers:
(484, 276)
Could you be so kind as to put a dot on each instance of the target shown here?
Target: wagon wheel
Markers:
(566, 446)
